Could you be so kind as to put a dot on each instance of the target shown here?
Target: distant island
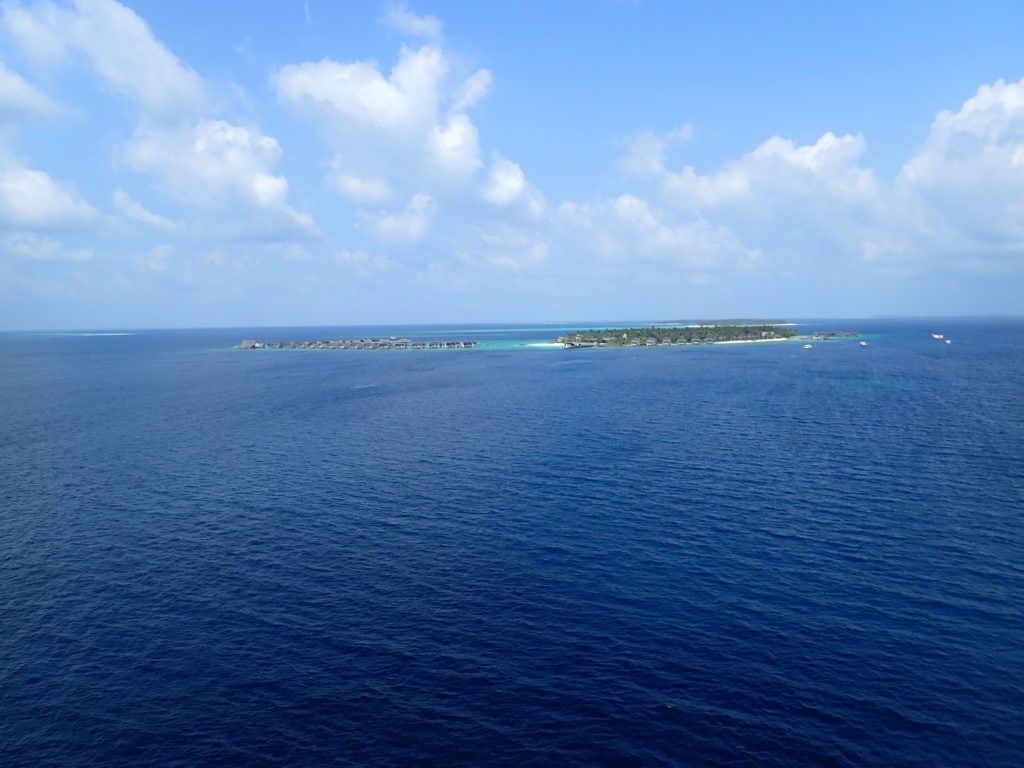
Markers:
(656, 335)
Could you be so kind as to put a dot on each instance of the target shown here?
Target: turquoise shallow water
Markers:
(742, 555)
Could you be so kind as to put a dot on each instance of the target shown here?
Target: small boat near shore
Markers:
(808, 346)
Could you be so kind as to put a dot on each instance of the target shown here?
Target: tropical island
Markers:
(657, 335)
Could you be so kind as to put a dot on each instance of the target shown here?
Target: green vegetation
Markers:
(661, 334)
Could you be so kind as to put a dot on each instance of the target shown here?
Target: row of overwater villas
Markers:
(389, 343)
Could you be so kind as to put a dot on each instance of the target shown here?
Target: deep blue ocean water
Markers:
(744, 555)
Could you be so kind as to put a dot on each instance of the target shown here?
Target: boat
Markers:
(808, 346)
(863, 343)
(937, 336)
(949, 341)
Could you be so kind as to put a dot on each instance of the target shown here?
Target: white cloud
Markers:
(20, 99)
(408, 155)
(409, 126)
(28, 245)
(830, 152)
(791, 202)
(32, 199)
(966, 185)
(629, 231)
(407, 226)
(223, 171)
(213, 165)
(357, 93)
(400, 18)
(508, 249)
(958, 202)
(645, 156)
(472, 89)
(455, 147)
(506, 183)
(359, 190)
(118, 45)
(133, 209)
(781, 176)
(531, 256)
(507, 186)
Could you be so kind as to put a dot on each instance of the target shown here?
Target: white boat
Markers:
(863, 343)
(808, 346)
(937, 336)
(949, 341)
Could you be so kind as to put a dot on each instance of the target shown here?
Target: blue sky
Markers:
(296, 163)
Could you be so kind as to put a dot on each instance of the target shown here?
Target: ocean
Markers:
(730, 555)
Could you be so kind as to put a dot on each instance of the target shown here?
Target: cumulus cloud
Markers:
(790, 201)
(777, 173)
(454, 147)
(408, 133)
(357, 189)
(506, 183)
(32, 199)
(508, 249)
(409, 125)
(214, 165)
(966, 185)
(507, 186)
(118, 45)
(959, 201)
(627, 229)
(645, 156)
(358, 94)
(401, 145)
(410, 225)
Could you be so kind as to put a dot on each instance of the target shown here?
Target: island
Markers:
(665, 335)
(654, 335)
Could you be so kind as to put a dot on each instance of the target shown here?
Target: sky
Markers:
(229, 164)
